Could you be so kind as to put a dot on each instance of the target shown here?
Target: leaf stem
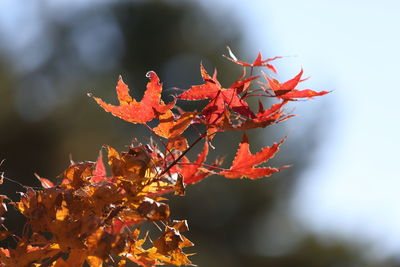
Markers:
(202, 165)
(183, 153)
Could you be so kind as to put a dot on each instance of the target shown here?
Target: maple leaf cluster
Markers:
(94, 217)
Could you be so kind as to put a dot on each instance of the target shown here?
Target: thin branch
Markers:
(49, 262)
(183, 153)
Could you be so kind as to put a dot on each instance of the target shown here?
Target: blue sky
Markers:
(351, 47)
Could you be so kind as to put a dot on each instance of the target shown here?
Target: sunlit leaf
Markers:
(244, 164)
(150, 107)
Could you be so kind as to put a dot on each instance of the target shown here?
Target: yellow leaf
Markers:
(63, 212)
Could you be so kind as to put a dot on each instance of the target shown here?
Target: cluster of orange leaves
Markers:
(94, 217)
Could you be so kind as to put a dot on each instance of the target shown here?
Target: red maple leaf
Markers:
(243, 83)
(222, 98)
(287, 91)
(99, 172)
(258, 62)
(193, 172)
(118, 225)
(150, 107)
(262, 119)
(244, 164)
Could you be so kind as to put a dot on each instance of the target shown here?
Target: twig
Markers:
(183, 153)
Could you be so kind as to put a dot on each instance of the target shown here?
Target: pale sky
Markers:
(351, 47)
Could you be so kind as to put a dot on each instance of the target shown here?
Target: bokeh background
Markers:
(337, 205)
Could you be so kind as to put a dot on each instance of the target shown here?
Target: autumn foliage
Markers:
(94, 216)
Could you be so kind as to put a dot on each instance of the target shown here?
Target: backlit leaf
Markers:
(258, 62)
(150, 107)
(287, 91)
(244, 164)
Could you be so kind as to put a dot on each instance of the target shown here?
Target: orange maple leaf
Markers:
(244, 163)
(150, 107)
(171, 127)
